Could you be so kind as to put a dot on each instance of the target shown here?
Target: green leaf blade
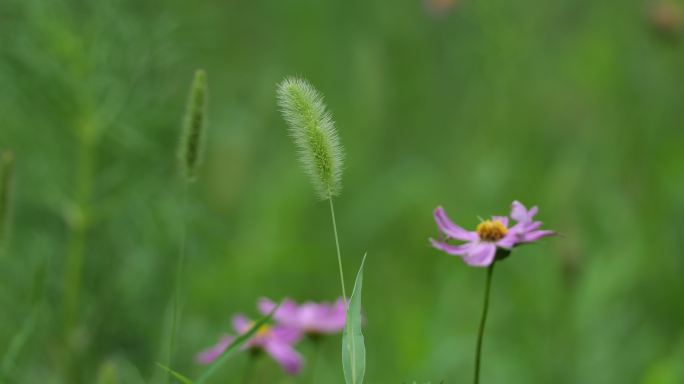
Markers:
(353, 347)
(176, 375)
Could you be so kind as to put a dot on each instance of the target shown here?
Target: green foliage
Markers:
(353, 346)
(575, 106)
(108, 373)
(313, 131)
(191, 144)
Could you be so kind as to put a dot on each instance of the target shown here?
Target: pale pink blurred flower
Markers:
(309, 317)
(277, 341)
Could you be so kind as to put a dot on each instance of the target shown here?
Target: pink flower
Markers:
(277, 340)
(311, 318)
(480, 247)
(440, 7)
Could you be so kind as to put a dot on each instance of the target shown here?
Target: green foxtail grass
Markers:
(320, 152)
(313, 130)
(189, 156)
(191, 143)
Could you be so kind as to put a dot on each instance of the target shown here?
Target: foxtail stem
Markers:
(339, 255)
(175, 315)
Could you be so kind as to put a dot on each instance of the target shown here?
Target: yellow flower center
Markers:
(263, 330)
(489, 230)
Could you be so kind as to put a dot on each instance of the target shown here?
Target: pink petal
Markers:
(518, 211)
(310, 311)
(212, 353)
(286, 356)
(532, 212)
(334, 321)
(450, 229)
(241, 323)
(509, 241)
(265, 305)
(285, 334)
(458, 250)
(329, 318)
(286, 313)
(533, 226)
(536, 235)
(502, 219)
(480, 255)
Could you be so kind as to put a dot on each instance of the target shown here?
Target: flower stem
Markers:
(483, 320)
(175, 315)
(248, 370)
(314, 360)
(79, 224)
(339, 255)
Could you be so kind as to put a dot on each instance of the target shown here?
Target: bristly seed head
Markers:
(191, 141)
(489, 230)
(313, 130)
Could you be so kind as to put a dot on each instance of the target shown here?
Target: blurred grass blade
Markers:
(175, 374)
(6, 173)
(28, 327)
(17, 343)
(353, 348)
(237, 343)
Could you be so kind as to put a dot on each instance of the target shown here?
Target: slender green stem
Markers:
(350, 343)
(249, 369)
(79, 224)
(6, 175)
(483, 320)
(175, 315)
(314, 359)
(339, 255)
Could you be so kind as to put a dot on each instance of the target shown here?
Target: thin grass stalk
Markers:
(6, 181)
(28, 327)
(339, 254)
(176, 310)
(79, 222)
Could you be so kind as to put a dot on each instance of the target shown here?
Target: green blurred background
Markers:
(574, 105)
